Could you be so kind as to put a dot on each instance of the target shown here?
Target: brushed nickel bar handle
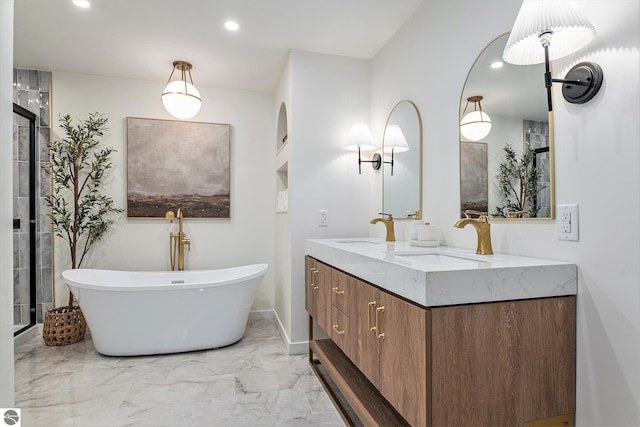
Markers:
(336, 291)
(339, 332)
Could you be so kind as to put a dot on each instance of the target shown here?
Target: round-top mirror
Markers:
(506, 158)
(402, 152)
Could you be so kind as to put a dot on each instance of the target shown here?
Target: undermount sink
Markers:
(357, 241)
(438, 257)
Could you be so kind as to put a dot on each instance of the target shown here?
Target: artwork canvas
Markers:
(474, 188)
(175, 164)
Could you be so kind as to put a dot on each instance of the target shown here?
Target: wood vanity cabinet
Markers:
(389, 347)
(381, 334)
(499, 364)
(318, 292)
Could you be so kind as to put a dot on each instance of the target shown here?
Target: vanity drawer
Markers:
(340, 290)
(340, 333)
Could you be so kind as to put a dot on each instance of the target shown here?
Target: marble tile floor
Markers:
(251, 383)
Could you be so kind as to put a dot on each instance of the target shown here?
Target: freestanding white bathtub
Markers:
(137, 313)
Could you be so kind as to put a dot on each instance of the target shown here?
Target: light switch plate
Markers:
(567, 222)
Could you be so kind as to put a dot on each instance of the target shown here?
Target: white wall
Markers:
(282, 242)
(6, 205)
(329, 94)
(142, 244)
(597, 166)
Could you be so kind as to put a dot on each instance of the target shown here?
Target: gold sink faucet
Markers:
(483, 228)
(177, 241)
(388, 222)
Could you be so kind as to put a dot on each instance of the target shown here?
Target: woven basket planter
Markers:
(64, 326)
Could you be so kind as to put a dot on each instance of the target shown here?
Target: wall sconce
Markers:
(180, 98)
(360, 139)
(394, 142)
(477, 124)
(539, 22)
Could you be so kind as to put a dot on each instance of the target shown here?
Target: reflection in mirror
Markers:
(402, 178)
(509, 172)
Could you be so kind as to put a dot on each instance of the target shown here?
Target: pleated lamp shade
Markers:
(568, 28)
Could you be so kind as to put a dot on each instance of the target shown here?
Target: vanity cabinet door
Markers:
(340, 321)
(340, 290)
(323, 296)
(340, 330)
(318, 292)
(402, 328)
(389, 346)
(310, 274)
(364, 344)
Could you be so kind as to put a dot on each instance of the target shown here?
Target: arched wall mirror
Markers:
(509, 172)
(402, 167)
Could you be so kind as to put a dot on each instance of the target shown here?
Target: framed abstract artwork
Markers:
(474, 187)
(175, 164)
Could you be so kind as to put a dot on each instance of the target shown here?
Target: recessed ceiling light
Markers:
(232, 25)
(82, 3)
(497, 64)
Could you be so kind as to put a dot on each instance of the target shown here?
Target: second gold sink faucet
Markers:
(177, 241)
(388, 222)
(483, 228)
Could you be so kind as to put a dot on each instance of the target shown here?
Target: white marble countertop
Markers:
(442, 275)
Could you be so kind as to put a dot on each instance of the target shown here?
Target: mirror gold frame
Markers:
(511, 94)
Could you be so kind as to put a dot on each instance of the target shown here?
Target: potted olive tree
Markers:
(518, 183)
(80, 214)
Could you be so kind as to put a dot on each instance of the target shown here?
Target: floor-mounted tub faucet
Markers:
(177, 241)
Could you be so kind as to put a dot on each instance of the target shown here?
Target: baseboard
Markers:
(300, 347)
(27, 335)
(261, 314)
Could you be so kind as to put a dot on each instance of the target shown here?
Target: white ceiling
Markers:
(139, 39)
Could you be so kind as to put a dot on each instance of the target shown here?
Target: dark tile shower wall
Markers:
(537, 137)
(31, 89)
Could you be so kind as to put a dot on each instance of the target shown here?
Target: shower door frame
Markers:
(21, 111)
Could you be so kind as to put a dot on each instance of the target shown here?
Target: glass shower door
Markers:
(24, 219)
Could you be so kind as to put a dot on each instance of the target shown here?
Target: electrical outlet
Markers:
(323, 218)
(567, 222)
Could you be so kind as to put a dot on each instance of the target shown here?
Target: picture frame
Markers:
(474, 179)
(175, 164)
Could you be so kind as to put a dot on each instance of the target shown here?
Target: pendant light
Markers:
(476, 125)
(180, 98)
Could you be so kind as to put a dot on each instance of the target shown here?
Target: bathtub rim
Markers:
(251, 271)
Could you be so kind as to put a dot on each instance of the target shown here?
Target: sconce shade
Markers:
(560, 29)
(359, 138)
(180, 98)
(475, 125)
(394, 140)
(563, 27)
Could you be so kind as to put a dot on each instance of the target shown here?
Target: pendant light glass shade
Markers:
(559, 24)
(475, 125)
(180, 98)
